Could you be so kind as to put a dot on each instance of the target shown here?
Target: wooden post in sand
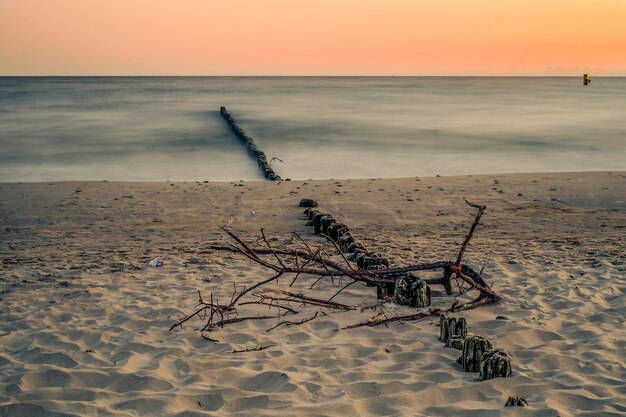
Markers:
(495, 364)
(412, 291)
(473, 349)
(253, 150)
(450, 327)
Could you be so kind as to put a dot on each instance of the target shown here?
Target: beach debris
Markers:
(252, 148)
(495, 364)
(473, 349)
(315, 265)
(155, 263)
(516, 402)
(308, 202)
(451, 327)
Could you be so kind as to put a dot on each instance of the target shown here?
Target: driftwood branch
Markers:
(317, 265)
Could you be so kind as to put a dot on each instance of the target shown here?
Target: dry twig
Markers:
(252, 349)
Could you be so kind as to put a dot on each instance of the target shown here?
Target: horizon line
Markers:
(304, 76)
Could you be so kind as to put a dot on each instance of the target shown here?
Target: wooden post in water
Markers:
(586, 79)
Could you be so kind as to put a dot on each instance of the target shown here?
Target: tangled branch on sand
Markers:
(316, 265)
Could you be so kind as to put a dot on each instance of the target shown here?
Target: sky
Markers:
(306, 37)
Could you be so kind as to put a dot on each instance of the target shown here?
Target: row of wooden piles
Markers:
(477, 353)
(253, 149)
(407, 289)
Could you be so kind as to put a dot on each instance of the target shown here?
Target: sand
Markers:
(84, 321)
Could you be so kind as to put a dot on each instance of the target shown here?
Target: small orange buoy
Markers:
(586, 79)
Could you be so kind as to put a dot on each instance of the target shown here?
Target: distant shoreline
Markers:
(261, 180)
(308, 76)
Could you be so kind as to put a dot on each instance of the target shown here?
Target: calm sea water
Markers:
(145, 129)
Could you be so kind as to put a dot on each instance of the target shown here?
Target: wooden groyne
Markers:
(407, 288)
(253, 150)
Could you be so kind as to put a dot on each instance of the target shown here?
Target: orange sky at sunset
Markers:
(322, 37)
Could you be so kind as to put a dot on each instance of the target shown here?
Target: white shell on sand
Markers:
(156, 262)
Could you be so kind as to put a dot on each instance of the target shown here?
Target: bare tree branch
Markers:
(318, 265)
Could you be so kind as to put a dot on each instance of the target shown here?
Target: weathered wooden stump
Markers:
(344, 241)
(331, 229)
(495, 364)
(317, 218)
(411, 291)
(516, 401)
(374, 259)
(311, 213)
(359, 257)
(384, 290)
(473, 349)
(461, 328)
(444, 329)
(342, 231)
(451, 326)
(317, 224)
(307, 202)
(325, 222)
(335, 230)
(455, 342)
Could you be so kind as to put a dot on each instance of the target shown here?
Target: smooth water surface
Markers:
(169, 128)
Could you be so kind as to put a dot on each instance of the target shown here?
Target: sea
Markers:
(169, 128)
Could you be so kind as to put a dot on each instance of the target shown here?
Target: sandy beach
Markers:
(84, 327)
